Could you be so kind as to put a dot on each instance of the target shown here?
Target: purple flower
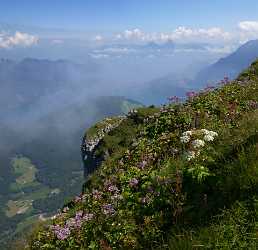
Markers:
(253, 104)
(209, 88)
(113, 189)
(71, 222)
(61, 232)
(174, 99)
(88, 217)
(142, 164)
(78, 215)
(225, 80)
(108, 209)
(79, 218)
(133, 182)
(65, 209)
(191, 94)
(96, 194)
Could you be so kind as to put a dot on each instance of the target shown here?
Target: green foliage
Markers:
(191, 165)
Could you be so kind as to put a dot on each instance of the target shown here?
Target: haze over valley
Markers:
(68, 66)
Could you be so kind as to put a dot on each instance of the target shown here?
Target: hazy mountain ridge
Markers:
(229, 66)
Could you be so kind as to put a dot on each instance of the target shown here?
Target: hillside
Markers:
(181, 177)
(31, 159)
(229, 66)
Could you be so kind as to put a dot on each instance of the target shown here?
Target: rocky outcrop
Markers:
(91, 143)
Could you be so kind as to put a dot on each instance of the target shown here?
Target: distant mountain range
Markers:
(27, 82)
(229, 66)
(158, 90)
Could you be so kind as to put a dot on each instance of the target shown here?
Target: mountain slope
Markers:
(229, 66)
(32, 157)
(167, 173)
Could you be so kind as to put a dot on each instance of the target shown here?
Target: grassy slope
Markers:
(147, 195)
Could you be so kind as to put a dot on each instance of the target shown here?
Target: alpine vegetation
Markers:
(180, 177)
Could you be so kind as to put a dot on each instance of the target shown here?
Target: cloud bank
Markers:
(244, 30)
(19, 39)
(180, 34)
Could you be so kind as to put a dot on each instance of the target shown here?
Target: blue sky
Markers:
(223, 22)
(115, 15)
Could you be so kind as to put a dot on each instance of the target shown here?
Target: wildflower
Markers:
(253, 104)
(108, 209)
(88, 217)
(113, 189)
(174, 99)
(208, 88)
(188, 133)
(189, 155)
(198, 143)
(96, 194)
(71, 222)
(208, 135)
(133, 182)
(61, 232)
(208, 138)
(204, 131)
(78, 215)
(65, 209)
(142, 164)
(190, 94)
(185, 139)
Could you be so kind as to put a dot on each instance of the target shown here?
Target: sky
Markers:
(149, 15)
(224, 22)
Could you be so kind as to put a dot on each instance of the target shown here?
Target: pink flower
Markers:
(191, 94)
(133, 182)
(108, 209)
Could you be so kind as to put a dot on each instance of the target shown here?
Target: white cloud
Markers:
(134, 34)
(98, 38)
(99, 56)
(248, 26)
(214, 33)
(248, 30)
(18, 39)
(113, 50)
(181, 34)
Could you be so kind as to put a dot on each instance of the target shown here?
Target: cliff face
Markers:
(93, 142)
(167, 172)
(111, 135)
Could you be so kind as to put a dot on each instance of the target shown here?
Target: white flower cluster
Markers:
(186, 137)
(195, 140)
(208, 135)
(189, 155)
(198, 143)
